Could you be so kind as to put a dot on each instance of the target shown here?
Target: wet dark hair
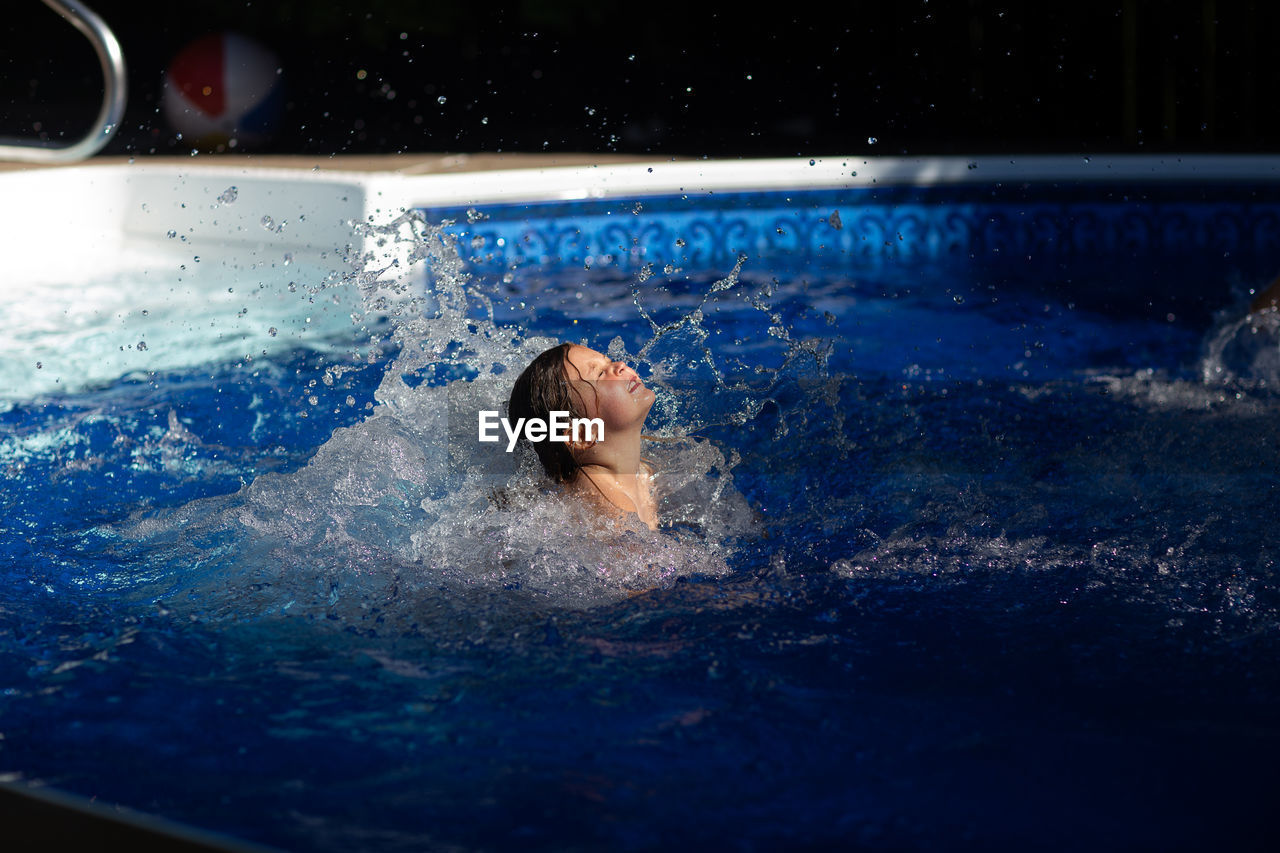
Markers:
(543, 388)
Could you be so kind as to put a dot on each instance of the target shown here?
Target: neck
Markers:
(613, 472)
(620, 456)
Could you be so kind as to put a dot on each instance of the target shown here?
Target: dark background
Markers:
(798, 79)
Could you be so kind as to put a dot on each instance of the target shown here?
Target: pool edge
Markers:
(46, 818)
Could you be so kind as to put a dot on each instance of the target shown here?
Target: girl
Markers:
(606, 471)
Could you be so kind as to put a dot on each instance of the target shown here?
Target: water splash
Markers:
(1243, 350)
(404, 503)
(1238, 368)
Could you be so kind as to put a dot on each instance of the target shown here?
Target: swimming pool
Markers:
(971, 466)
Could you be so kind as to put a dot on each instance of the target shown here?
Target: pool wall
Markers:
(1176, 228)
(1176, 225)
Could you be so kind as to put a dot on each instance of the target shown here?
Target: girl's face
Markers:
(607, 389)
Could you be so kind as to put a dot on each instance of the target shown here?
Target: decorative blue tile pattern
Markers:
(1155, 233)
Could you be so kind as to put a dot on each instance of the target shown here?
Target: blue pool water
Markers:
(962, 554)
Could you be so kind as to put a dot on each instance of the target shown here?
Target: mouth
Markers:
(635, 383)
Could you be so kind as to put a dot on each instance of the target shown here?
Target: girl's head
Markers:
(586, 384)
(543, 388)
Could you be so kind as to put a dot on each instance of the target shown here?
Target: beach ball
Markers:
(223, 90)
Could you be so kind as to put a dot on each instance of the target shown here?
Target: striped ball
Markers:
(223, 90)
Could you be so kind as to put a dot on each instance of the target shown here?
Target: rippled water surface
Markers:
(943, 568)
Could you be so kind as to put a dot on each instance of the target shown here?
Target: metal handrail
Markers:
(113, 95)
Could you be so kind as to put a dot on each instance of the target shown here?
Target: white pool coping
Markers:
(694, 177)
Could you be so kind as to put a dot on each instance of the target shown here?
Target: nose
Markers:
(620, 368)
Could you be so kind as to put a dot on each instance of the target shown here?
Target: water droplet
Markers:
(268, 223)
(229, 195)
(812, 162)
(273, 331)
(958, 299)
(142, 345)
(871, 140)
(171, 234)
(441, 99)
